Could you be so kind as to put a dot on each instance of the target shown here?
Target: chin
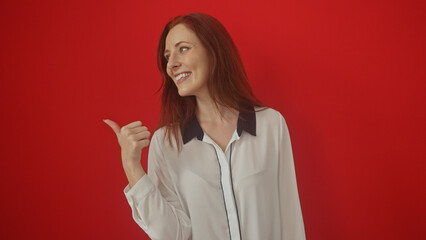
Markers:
(186, 91)
(183, 93)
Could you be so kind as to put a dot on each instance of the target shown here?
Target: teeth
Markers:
(182, 75)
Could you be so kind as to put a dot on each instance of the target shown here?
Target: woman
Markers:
(220, 166)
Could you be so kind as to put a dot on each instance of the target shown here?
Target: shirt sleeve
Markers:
(154, 202)
(292, 226)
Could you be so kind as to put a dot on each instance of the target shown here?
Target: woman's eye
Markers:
(183, 49)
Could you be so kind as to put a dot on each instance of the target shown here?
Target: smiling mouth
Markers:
(183, 78)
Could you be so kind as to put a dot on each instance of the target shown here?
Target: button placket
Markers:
(226, 184)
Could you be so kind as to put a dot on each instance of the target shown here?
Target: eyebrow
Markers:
(177, 44)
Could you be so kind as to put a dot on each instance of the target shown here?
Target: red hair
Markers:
(227, 82)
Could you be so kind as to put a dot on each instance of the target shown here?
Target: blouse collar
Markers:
(246, 122)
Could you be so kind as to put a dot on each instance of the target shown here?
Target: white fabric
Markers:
(203, 193)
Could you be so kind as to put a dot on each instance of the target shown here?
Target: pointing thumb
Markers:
(115, 127)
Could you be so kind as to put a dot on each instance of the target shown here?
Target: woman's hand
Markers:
(132, 138)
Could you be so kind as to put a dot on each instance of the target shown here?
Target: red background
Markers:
(348, 76)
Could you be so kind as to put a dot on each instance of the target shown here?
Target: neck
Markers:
(207, 111)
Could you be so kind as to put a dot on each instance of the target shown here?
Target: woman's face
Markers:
(188, 61)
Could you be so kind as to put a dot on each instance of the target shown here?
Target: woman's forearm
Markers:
(134, 172)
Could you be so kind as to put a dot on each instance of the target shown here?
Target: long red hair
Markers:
(227, 83)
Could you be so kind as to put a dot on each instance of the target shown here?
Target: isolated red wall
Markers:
(348, 76)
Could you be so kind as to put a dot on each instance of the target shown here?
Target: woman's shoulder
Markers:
(268, 114)
(161, 137)
(159, 132)
(270, 121)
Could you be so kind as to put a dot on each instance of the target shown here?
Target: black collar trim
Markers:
(246, 122)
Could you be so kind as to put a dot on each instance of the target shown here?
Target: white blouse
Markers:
(247, 192)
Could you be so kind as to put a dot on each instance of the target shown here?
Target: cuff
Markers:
(142, 187)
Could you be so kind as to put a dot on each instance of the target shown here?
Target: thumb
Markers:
(113, 125)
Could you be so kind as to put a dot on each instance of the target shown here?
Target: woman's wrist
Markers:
(134, 172)
(132, 165)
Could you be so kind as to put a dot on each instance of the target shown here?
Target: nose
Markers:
(173, 62)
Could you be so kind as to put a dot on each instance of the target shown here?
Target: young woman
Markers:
(220, 165)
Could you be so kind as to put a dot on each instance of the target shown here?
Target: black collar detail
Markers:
(246, 122)
(192, 129)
